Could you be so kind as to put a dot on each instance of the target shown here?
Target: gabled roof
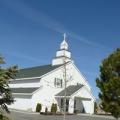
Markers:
(23, 90)
(35, 71)
(70, 90)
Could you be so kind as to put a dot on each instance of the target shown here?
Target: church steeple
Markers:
(63, 53)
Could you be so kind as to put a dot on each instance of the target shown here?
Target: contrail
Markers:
(34, 15)
(24, 56)
(88, 42)
(47, 21)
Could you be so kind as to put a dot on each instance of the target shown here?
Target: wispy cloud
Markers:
(24, 57)
(34, 15)
(43, 19)
(86, 41)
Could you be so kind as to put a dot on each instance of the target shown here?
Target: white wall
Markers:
(45, 97)
(59, 60)
(25, 83)
(63, 53)
(21, 103)
(77, 76)
(88, 104)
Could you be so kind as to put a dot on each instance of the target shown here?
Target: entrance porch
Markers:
(78, 100)
(73, 105)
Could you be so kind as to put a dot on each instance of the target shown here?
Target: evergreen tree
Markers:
(109, 84)
(38, 107)
(54, 108)
(5, 94)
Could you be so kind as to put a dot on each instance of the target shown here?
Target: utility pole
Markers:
(65, 82)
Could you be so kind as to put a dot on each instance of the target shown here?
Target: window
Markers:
(58, 82)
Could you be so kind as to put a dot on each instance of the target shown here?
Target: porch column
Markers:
(71, 105)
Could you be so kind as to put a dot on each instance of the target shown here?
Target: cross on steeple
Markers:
(64, 35)
(64, 44)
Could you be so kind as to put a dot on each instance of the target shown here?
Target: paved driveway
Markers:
(29, 116)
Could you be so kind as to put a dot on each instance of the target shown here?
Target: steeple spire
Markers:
(64, 45)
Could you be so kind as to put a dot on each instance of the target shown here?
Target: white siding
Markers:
(24, 83)
(88, 104)
(21, 103)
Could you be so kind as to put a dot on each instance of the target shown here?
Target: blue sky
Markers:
(31, 31)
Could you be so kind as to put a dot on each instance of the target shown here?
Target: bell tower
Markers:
(62, 55)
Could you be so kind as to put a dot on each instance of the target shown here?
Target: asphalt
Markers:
(21, 115)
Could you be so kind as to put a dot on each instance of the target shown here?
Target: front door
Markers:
(67, 105)
(75, 106)
(78, 106)
(62, 104)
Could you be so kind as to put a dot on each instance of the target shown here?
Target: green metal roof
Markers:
(70, 90)
(35, 71)
(23, 90)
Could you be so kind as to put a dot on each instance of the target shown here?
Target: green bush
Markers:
(95, 108)
(54, 108)
(38, 107)
(46, 110)
(2, 117)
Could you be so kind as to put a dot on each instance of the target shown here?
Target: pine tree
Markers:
(38, 107)
(109, 84)
(5, 94)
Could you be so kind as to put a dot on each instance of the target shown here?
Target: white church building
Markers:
(45, 85)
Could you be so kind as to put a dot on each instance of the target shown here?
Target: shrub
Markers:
(54, 108)
(46, 110)
(95, 108)
(2, 117)
(38, 107)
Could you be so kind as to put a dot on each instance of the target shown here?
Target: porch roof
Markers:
(70, 90)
